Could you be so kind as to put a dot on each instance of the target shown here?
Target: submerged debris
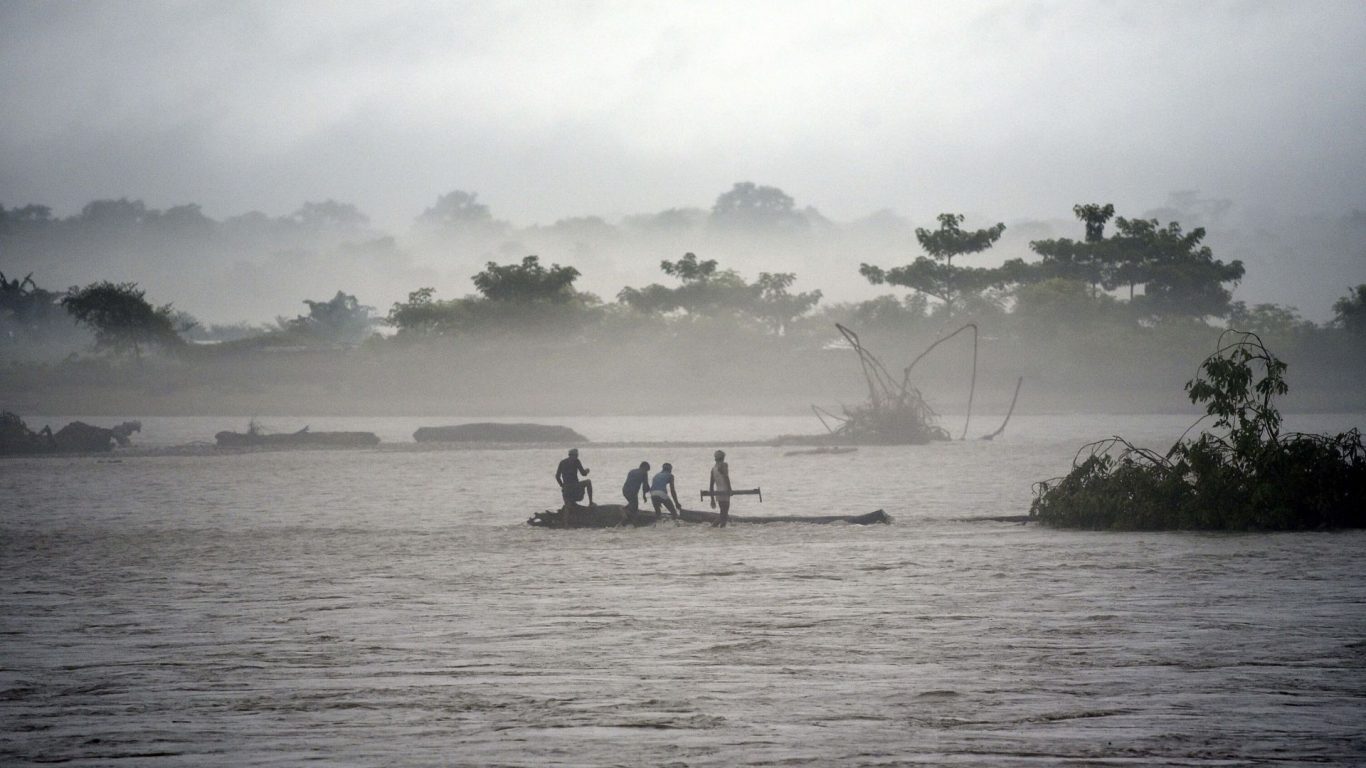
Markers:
(255, 437)
(490, 432)
(76, 437)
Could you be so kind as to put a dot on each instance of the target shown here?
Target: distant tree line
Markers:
(1141, 274)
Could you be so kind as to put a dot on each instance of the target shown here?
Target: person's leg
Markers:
(724, 505)
(654, 502)
(673, 511)
(588, 486)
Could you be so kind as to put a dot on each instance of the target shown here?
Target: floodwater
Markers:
(390, 607)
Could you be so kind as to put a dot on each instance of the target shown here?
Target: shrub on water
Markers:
(1246, 476)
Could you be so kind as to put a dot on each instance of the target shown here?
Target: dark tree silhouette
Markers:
(121, 317)
(748, 205)
(938, 277)
(1350, 310)
(526, 282)
(339, 319)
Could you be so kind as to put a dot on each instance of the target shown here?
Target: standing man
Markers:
(661, 487)
(571, 488)
(637, 484)
(720, 489)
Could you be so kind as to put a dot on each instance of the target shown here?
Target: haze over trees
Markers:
(1056, 305)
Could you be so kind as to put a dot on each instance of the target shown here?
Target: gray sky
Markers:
(551, 109)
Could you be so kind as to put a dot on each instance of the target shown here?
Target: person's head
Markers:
(645, 465)
(573, 453)
(668, 467)
(720, 455)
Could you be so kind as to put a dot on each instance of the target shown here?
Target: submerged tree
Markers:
(937, 276)
(1249, 475)
(121, 317)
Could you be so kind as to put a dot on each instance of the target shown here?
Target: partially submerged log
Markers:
(76, 437)
(614, 515)
(489, 432)
(254, 438)
(824, 450)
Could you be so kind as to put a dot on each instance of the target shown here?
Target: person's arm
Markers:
(558, 476)
(583, 469)
(711, 486)
(674, 491)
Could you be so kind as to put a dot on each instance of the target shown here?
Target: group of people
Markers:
(659, 490)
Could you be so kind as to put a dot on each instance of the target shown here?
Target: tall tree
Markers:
(937, 276)
(1179, 274)
(1088, 261)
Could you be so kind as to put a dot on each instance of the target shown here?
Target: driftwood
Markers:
(254, 438)
(488, 432)
(614, 515)
(76, 437)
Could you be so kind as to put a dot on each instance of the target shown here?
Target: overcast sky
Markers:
(555, 109)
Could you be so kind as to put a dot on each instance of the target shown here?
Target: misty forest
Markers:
(1111, 312)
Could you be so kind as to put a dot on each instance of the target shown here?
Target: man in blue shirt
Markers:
(637, 484)
(661, 487)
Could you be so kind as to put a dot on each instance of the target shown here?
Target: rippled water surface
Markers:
(389, 606)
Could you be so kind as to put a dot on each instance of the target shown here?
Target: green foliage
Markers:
(1350, 310)
(707, 291)
(514, 297)
(950, 240)
(122, 319)
(527, 282)
(1250, 477)
(1180, 276)
(937, 276)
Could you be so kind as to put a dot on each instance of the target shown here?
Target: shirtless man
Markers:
(637, 484)
(571, 488)
(720, 489)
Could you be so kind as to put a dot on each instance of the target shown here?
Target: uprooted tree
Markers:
(1247, 476)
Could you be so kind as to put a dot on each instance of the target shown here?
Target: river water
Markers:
(389, 606)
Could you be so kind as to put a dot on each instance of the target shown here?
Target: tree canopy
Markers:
(121, 317)
(937, 276)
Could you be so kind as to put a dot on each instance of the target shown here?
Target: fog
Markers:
(572, 121)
